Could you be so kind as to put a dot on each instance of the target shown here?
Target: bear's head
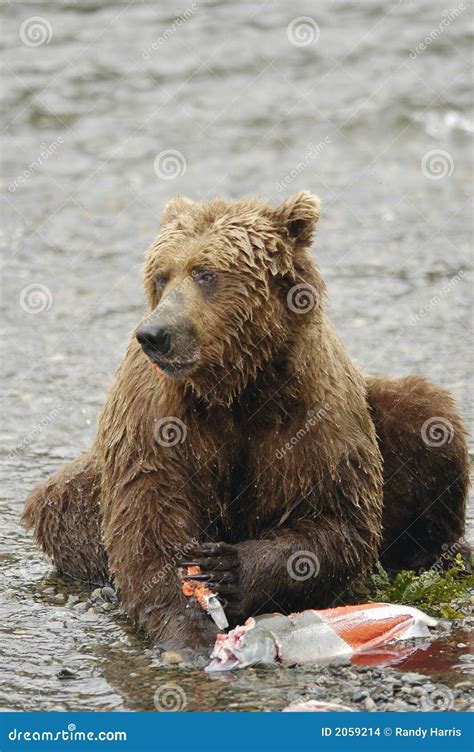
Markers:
(231, 286)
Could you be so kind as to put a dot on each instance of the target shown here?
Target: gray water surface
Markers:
(380, 133)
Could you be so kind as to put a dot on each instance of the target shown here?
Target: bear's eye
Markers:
(160, 280)
(203, 276)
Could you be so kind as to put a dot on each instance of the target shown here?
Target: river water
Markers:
(110, 109)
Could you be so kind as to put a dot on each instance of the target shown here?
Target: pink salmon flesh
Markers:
(312, 636)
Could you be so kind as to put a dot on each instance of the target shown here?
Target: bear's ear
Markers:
(175, 208)
(297, 217)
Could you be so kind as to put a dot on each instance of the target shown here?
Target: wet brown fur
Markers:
(426, 480)
(263, 372)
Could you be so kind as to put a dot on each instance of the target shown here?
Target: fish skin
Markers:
(312, 636)
(310, 640)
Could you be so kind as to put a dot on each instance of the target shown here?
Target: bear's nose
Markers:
(154, 339)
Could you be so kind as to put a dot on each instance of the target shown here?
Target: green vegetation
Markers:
(447, 594)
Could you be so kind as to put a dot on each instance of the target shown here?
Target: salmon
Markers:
(313, 636)
(208, 601)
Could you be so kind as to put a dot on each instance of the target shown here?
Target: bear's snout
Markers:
(155, 339)
(172, 346)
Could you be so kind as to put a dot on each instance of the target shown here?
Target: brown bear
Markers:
(262, 452)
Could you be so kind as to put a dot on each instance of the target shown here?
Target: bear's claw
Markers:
(219, 564)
